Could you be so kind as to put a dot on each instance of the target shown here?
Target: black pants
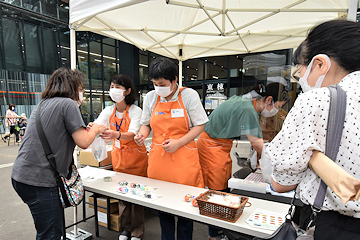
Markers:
(331, 225)
(13, 131)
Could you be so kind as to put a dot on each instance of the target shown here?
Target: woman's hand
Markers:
(139, 139)
(109, 134)
(97, 128)
(171, 145)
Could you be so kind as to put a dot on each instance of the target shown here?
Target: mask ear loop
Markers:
(321, 78)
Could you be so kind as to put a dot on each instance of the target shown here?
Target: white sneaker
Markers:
(123, 237)
(135, 238)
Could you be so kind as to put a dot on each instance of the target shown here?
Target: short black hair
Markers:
(127, 83)
(339, 39)
(163, 68)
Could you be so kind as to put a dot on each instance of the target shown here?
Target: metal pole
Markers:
(353, 6)
(180, 73)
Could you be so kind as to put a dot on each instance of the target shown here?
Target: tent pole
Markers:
(73, 66)
(353, 6)
(180, 73)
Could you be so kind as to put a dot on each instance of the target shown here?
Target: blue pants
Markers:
(45, 207)
(167, 222)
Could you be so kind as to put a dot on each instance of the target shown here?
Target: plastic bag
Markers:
(265, 165)
(98, 148)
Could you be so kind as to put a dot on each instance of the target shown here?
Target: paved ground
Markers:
(16, 221)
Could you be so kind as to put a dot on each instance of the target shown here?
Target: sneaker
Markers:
(125, 235)
(4, 139)
(18, 141)
(135, 238)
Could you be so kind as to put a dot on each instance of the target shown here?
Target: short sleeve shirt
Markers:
(304, 130)
(191, 100)
(234, 118)
(134, 115)
(60, 118)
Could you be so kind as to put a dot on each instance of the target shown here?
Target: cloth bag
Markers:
(289, 230)
(71, 189)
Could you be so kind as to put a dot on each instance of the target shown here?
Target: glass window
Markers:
(50, 50)
(12, 42)
(37, 84)
(143, 67)
(18, 91)
(216, 67)
(109, 61)
(33, 48)
(65, 47)
(3, 93)
(13, 2)
(31, 5)
(49, 7)
(194, 69)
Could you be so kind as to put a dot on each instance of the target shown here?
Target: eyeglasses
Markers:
(296, 74)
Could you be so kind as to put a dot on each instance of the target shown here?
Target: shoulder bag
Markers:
(289, 230)
(71, 189)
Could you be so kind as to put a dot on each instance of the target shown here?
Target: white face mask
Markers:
(81, 99)
(303, 80)
(271, 113)
(163, 91)
(117, 94)
(13, 108)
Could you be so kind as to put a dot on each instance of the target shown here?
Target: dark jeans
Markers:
(331, 225)
(45, 207)
(167, 222)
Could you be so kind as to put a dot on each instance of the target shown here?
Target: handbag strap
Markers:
(44, 142)
(333, 134)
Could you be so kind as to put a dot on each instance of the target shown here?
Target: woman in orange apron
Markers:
(235, 118)
(176, 117)
(123, 118)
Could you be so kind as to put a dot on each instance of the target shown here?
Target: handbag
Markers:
(71, 189)
(289, 230)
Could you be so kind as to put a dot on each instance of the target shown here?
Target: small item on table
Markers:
(123, 189)
(107, 179)
(123, 183)
(194, 202)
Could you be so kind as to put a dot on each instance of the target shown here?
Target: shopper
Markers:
(176, 116)
(33, 177)
(236, 118)
(329, 55)
(123, 120)
(11, 121)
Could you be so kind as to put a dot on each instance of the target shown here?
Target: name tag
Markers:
(175, 113)
(117, 143)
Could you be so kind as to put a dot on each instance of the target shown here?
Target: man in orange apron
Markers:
(235, 118)
(176, 117)
(123, 119)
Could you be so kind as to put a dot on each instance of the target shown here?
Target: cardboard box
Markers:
(87, 158)
(101, 201)
(114, 220)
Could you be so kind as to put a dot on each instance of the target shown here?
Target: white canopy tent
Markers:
(199, 28)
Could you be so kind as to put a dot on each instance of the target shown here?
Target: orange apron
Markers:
(183, 165)
(215, 160)
(129, 158)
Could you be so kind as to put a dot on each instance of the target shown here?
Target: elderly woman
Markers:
(329, 55)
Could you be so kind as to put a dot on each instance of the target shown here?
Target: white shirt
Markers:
(134, 115)
(304, 130)
(191, 100)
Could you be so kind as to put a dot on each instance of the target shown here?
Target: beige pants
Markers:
(132, 218)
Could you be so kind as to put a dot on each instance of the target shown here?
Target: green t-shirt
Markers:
(234, 119)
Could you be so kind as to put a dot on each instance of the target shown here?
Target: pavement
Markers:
(16, 221)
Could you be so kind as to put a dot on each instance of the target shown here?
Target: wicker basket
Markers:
(219, 211)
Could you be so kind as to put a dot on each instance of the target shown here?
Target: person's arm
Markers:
(84, 138)
(282, 188)
(144, 132)
(256, 143)
(171, 145)
(111, 134)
